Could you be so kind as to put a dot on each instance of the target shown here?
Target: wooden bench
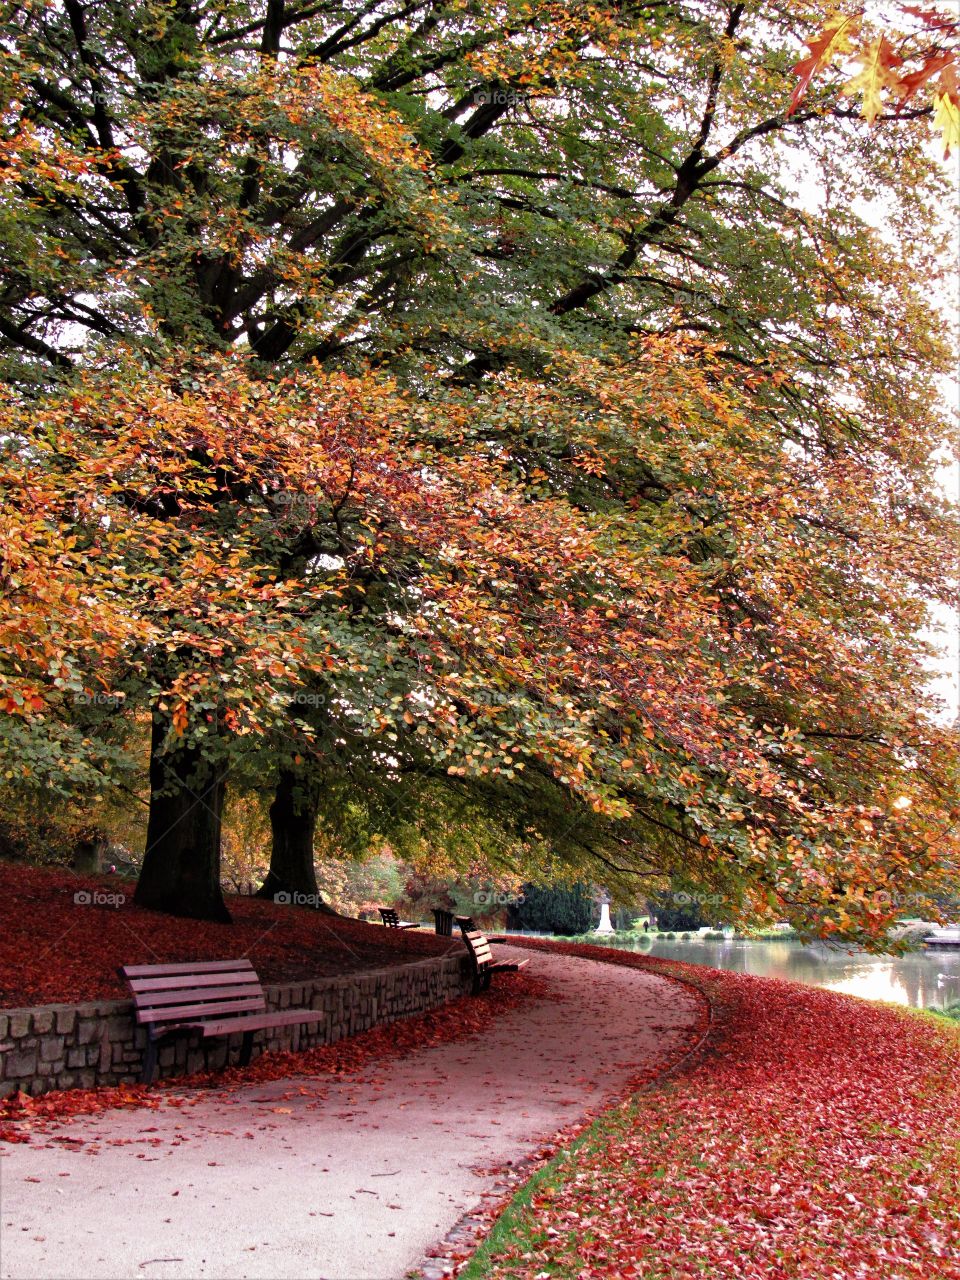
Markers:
(217, 997)
(481, 957)
(392, 921)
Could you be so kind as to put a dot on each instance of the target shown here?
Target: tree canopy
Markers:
(494, 424)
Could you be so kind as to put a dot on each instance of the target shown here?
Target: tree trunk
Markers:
(181, 865)
(293, 821)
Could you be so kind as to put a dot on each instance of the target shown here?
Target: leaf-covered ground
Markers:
(56, 950)
(814, 1136)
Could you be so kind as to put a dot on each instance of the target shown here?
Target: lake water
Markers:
(927, 979)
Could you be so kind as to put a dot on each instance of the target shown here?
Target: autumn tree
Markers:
(521, 384)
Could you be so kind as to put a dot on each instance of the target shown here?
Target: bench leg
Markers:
(149, 1060)
(481, 981)
(246, 1049)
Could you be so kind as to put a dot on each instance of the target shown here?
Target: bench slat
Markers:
(187, 981)
(285, 1018)
(195, 966)
(476, 942)
(191, 994)
(176, 1013)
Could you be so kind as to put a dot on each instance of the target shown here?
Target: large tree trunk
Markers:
(293, 821)
(181, 865)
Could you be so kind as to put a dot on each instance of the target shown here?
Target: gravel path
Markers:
(346, 1180)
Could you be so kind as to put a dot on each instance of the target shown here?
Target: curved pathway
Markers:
(349, 1179)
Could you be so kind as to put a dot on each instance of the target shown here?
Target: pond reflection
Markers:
(927, 979)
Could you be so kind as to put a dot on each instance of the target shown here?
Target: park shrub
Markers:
(561, 909)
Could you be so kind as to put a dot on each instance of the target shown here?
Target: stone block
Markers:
(66, 1021)
(51, 1048)
(88, 1030)
(20, 1063)
(19, 1025)
(42, 1021)
(76, 1057)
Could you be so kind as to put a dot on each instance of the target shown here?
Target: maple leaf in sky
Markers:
(946, 100)
(879, 61)
(833, 39)
(907, 85)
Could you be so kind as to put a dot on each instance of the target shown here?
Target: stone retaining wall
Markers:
(66, 1046)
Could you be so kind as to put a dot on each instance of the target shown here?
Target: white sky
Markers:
(944, 670)
(946, 677)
